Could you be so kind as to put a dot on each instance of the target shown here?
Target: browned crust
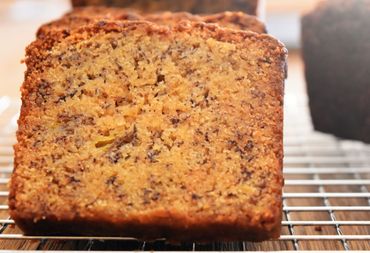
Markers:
(86, 15)
(174, 16)
(239, 19)
(235, 20)
(158, 223)
(155, 225)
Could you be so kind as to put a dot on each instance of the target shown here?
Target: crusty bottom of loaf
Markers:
(178, 228)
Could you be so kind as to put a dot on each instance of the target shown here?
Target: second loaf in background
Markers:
(336, 47)
(192, 6)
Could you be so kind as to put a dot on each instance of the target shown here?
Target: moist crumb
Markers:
(136, 145)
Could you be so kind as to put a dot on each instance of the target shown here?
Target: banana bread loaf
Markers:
(136, 129)
(85, 15)
(337, 67)
(193, 6)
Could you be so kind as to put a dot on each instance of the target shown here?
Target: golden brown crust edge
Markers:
(154, 225)
(175, 228)
(239, 19)
(86, 15)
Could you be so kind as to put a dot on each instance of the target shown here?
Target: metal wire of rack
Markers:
(326, 197)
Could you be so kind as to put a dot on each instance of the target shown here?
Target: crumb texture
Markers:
(139, 126)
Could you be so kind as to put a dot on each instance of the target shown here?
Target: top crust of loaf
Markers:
(237, 20)
(88, 15)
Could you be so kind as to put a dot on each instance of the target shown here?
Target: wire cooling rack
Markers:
(326, 195)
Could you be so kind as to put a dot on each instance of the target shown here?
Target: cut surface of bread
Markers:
(136, 129)
(79, 17)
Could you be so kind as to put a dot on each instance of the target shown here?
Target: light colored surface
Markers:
(19, 21)
(283, 19)
(300, 6)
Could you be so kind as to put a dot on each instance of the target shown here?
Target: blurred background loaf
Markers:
(192, 6)
(336, 46)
